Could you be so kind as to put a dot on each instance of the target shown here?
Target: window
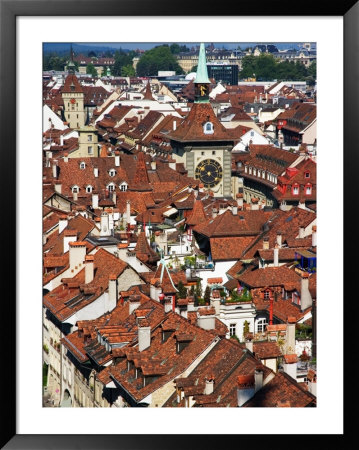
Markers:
(123, 187)
(266, 294)
(112, 172)
(89, 138)
(82, 165)
(262, 325)
(213, 152)
(252, 133)
(75, 189)
(90, 150)
(89, 189)
(208, 128)
(202, 153)
(111, 187)
(308, 190)
(232, 329)
(295, 190)
(307, 175)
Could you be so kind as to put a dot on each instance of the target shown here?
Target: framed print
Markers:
(25, 28)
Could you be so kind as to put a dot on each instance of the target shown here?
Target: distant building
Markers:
(225, 73)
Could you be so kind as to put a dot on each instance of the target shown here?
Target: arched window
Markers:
(208, 128)
(82, 165)
(112, 172)
(89, 189)
(75, 189)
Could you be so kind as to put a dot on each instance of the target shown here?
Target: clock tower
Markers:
(201, 142)
(74, 99)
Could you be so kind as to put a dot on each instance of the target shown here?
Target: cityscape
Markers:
(179, 225)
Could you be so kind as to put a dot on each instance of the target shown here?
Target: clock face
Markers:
(73, 101)
(209, 172)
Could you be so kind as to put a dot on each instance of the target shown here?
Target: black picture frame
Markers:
(9, 10)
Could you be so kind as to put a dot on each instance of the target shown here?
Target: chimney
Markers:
(214, 213)
(266, 243)
(245, 388)
(276, 256)
(105, 226)
(301, 232)
(234, 210)
(254, 203)
(44, 239)
(89, 268)
(95, 172)
(94, 200)
(128, 211)
(63, 222)
(114, 197)
(69, 236)
(112, 290)
(216, 303)
(290, 365)
(54, 169)
(117, 158)
(75, 196)
(290, 335)
(77, 252)
(239, 197)
(209, 385)
(258, 379)
(153, 165)
(206, 318)
(174, 125)
(58, 187)
(305, 297)
(144, 335)
(66, 157)
(314, 236)
(249, 345)
(134, 302)
(168, 305)
(279, 239)
(62, 140)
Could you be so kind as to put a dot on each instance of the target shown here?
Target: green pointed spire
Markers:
(202, 74)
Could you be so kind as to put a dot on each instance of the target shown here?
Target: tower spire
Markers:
(202, 74)
(71, 65)
(202, 81)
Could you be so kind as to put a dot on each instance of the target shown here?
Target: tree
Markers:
(198, 289)
(182, 291)
(90, 69)
(175, 49)
(91, 54)
(128, 71)
(156, 59)
(122, 59)
(207, 295)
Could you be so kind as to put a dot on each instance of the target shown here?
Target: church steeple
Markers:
(202, 81)
(71, 65)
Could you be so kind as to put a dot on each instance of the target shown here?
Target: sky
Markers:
(149, 45)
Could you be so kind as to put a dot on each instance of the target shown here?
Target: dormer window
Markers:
(112, 172)
(123, 187)
(82, 165)
(75, 189)
(208, 128)
(89, 189)
(111, 187)
(307, 175)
